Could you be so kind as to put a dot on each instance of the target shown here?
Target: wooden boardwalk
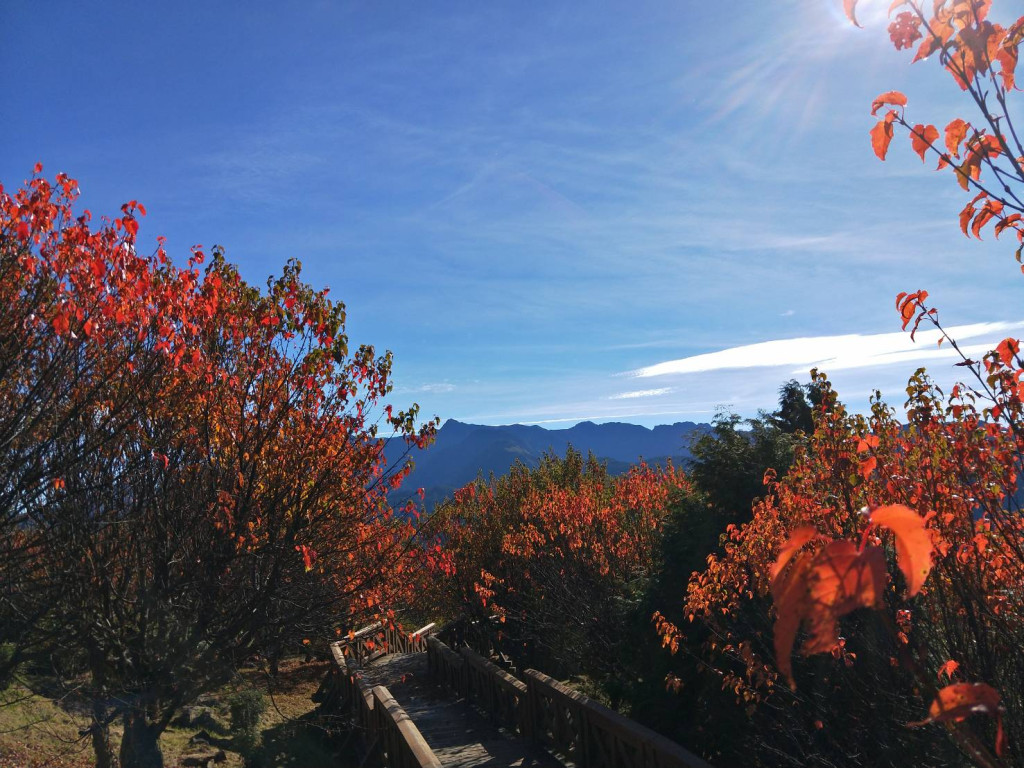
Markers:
(456, 732)
(419, 704)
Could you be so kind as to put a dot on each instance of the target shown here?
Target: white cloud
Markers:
(640, 393)
(433, 388)
(835, 352)
(650, 416)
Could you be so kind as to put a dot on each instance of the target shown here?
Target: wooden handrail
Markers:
(446, 666)
(590, 734)
(404, 746)
(376, 640)
(502, 696)
(387, 729)
(571, 726)
(365, 630)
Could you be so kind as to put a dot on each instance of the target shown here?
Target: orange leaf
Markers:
(928, 46)
(881, 135)
(790, 596)
(949, 669)
(913, 543)
(909, 303)
(850, 8)
(867, 466)
(922, 137)
(797, 539)
(845, 578)
(965, 217)
(866, 443)
(961, 700)
(963, 175)
(1007, 58)
(984, 217)
(1008, 221)
(61, 323)
(905, 30)
(307, 556)
(818, 589)
(1008, 53)
(841, 580)
(894, 98)
(1007, 350)
(980, 9)
(956, 132)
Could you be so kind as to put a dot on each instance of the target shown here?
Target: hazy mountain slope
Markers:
(463, 451)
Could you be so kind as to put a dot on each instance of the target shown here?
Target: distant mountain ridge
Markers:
(463, 451)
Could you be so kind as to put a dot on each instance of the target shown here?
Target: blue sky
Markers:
(541, 208)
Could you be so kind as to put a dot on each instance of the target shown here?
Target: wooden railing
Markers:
(376, 640)
(569, 723)
(389, 736)
(571, 726)
(400, 642)
(500, 695)
(446, 667)
(399, 739)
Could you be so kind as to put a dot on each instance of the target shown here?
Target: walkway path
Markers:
(456, 732)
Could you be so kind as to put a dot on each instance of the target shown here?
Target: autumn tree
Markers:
(200, 468)
(560, 554)
(876, 592)
(54, 272)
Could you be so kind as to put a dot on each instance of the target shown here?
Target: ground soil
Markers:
(41, 729)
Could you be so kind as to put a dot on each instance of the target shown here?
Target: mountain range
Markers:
(463, 451)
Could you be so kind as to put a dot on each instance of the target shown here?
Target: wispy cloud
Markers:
(433, 388)
(833, 352)
(647, 415)
(640, 393)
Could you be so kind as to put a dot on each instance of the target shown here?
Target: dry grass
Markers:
(38, 731)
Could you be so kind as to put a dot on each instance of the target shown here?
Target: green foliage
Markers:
(246, 708)
(725, 476)
(729, 462)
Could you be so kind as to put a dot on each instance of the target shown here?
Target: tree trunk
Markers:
(100, 733)
(139, 745)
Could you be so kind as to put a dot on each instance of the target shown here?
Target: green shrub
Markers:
(246, 707)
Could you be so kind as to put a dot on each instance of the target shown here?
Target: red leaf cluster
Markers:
(816, 588)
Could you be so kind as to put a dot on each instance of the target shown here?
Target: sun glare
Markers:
(869, 13)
